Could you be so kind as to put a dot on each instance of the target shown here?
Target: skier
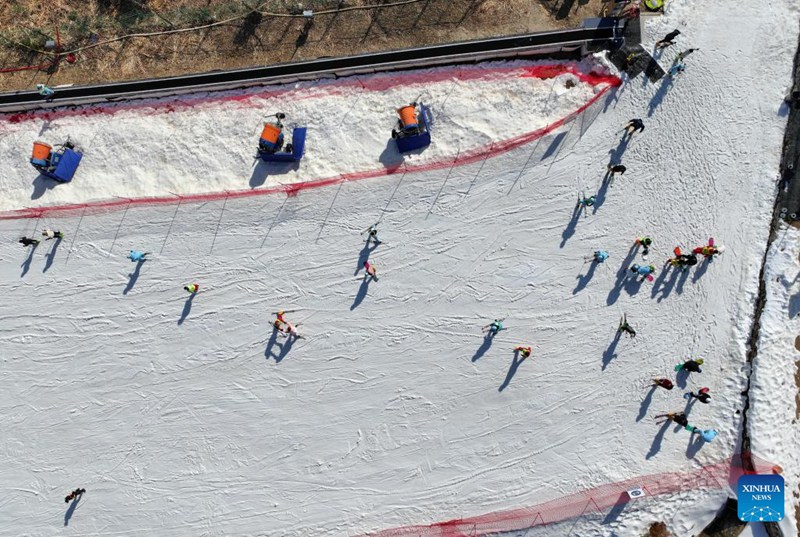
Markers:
(682, 260)
(633, 126)
(50, 234)
(645, 271)
(677, 68)
(136, 256)
(372, 234)
(669, 39)
(494, 327)
(291, 329)
(600, 256)
(370, 270)
(677, 417)
(587, 202)
(523, 351)
(690, 365)
(74, 494)
(663, 383)
(27, 241)
(702, 394)
(645, 242)
(44, 91)
(277, 324)
(616, 168)
(625, 327)
(279, 314)
(709, 250)
(685, 53)
(707, 434)
(192, 288)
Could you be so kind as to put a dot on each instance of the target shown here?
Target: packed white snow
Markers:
(191, 417)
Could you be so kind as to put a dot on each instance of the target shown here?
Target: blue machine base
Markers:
(298, 148)
(66, 164)
(409, 143)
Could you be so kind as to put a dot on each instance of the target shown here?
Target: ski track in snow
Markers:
(189, 417)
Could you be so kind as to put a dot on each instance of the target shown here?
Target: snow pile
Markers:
(773, 415)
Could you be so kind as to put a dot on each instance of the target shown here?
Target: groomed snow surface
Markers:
(189, 417)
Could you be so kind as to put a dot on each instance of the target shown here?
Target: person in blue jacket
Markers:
(600, 256)
(643, 270)
(136, 256)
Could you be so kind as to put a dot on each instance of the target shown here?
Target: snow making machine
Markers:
(412, 127)
(271, 147)
(57, 163)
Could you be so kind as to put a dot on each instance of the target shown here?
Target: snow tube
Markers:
(408, 116)
(41, 151)
(654, 5)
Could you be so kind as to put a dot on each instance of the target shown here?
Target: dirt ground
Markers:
(253, 38)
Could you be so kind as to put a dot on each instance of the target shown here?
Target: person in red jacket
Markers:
(664, 383)
(370, 270)
(523, 351)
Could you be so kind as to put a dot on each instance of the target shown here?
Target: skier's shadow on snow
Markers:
(622, 275)
(26, 265)
(666, 83)
(569, 231)
(700, 271)
(695, 443)
(619, 506)
(662, 285)
(51, 255)
(600, 197)
(362, 292)
(284, 348)
(133, 276)
(485, 346)
(512, 370)
(655, 447)
(646, 403)
(364, 254)
(615, 155)
(187, 308)
(611, 351)
(584, 279)
(271, 343)
(71, 509)
(681, 378)
(681, 281)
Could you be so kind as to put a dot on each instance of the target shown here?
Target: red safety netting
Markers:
(712, 477)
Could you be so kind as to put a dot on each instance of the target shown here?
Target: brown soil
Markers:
(250, 40)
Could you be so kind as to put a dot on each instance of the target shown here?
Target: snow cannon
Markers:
(270, 143)
(412, 128)
(59, 163)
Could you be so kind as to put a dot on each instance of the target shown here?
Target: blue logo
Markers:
(760, 497)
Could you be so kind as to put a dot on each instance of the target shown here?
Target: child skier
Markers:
(702, 394)
(600, 256)
(523, 351)
(709, 250)
(706, 434)
(625, 327)
(372, 234)
(645, 242)
(44, 91)
(634, 126)
(690, 365)
(685, 53)
(663, 383)
(682, 260)
(192, 288)
(136, 256)
(616, 169)
(677, 68)
(370, 270)
(677, 417)
(74, 494)
(494, 327)
(587, 202)
(50, 234)
(27, 241)
(291, 330)
(645, 271)
(669, 39)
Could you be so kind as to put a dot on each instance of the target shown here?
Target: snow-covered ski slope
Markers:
(189, 418)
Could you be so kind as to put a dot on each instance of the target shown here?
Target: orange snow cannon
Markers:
(412, 130)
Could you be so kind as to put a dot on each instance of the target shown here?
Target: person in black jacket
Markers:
(669, 39)
(74, 495)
